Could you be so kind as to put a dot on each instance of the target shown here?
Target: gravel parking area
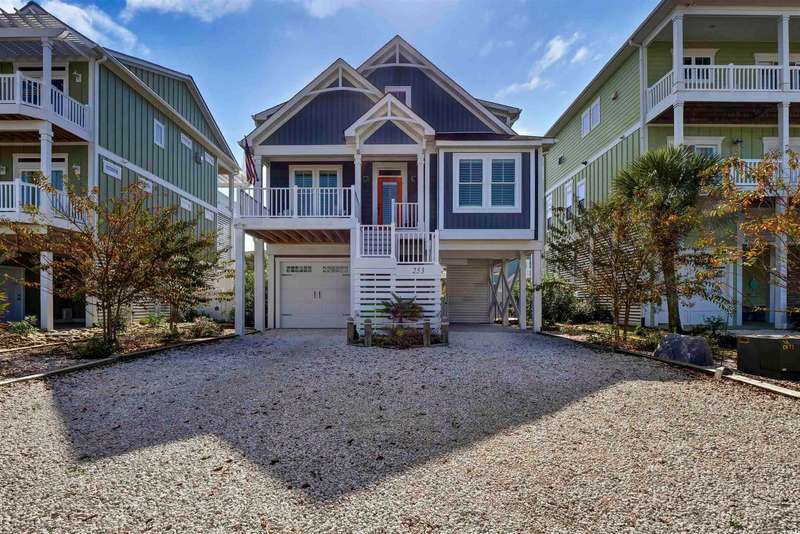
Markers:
(296, 431)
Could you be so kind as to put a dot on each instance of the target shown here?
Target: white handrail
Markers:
(416, 247)
(8, 88)
(660, 90)
(405, 215)
(8, 196)
(63, 207)
(30, 91)
(794, 77)
(296, 202)
(376, 240)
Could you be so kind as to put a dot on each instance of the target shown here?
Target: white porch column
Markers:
(523, 289)
(238, 283)
(783, 51)
(422, 194)
(91, 312)
(677, 51)
(357, 184)
(259, 185)
(46, 291)
(536, 316)
(46, 162)
(47, 74)
(258, 285)
(781, 297)
(677, 123)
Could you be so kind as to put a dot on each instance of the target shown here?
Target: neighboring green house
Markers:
(107, 119)
(721, 79)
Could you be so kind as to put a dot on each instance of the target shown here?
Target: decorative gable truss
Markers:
(389, 110)
(338, 77)
(398, 53)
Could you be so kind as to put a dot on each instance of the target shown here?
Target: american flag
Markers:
(252, 175)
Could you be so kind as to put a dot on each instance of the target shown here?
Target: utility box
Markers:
(770, 356)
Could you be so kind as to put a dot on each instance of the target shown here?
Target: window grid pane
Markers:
(328, 179)
(503, 178)
(303, 179)
(470, 180)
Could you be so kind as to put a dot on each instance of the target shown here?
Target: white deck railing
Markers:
(19, 89)
(745, 178)
(794, 78)
(16, 196)
(404, 247)
(334, 202)
(660, 90)
(405, 215)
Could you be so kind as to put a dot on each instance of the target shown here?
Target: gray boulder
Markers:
(687, 349)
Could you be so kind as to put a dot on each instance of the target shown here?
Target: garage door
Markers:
(314, 294)
(468, 292)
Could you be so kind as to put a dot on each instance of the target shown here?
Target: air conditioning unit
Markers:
(770, 356)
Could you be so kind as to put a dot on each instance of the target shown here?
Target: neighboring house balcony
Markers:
(24, 97)
(18, 199)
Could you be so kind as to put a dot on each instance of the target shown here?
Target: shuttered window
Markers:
(328, 179)
(503, 178)
(303, 179)
(470, 182)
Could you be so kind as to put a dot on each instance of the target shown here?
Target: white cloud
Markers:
(97, 25)
(557, 48)
(325, 8)
(580, 55)
(10, 5)
(205, 10)
(492, 45)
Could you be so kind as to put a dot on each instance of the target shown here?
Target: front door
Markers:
(390, 188)
(14, 293)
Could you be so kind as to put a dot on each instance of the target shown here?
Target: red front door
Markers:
(389, 188)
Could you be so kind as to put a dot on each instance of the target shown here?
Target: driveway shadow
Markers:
(328, 419)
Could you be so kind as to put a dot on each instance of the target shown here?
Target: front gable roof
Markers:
(338, 77)
(389, 110)
(399, 53)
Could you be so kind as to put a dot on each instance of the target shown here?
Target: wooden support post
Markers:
(367, 332)
(426, 332)
(446, 333)
(351, 331)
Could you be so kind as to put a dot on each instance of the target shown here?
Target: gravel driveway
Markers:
(295, 431)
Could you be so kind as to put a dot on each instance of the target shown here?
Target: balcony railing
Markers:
(405, 215)
(288, 202)
(745, 179)
(384, 241)
(737, 78)
(19, 89)
(18, 197)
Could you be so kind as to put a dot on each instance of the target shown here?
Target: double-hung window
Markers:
(487, 182)
(568, 201)
(548, 201)
(158, 133)
(580, 196)
(590, 119)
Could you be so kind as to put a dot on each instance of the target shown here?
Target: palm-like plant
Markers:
(665, 184)
(400, 309)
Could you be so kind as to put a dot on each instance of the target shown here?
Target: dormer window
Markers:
(400, 92)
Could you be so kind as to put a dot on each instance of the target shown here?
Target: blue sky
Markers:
(247, 55)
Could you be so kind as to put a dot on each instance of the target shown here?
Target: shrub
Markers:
(153, 320)
(97, 347)
(204, 327)
(25, 327)
(558, 299)
(400, 338)
(583, 312)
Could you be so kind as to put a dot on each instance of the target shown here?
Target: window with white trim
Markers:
(209, 158)
(590, 119)
(400, 92)
(568, 201)
(158, 133)
(548, 202)
(186, 141)
(580, 197)
(487, 182)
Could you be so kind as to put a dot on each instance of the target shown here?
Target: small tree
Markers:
(665, 185)
(767, 214)
(607, 252)
(116, 251)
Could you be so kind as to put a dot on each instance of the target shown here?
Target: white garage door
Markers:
(314, 294)
(468, 292)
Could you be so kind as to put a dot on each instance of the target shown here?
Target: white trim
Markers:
(580, 184)
(315, 170)
(378, 166)
(407, 123)
(793, 141)
(303, 150)
(486, 196)
(17, 168)
(274, 294)
(186, 204)
(157, 124)
(405, 89)
(526, 234)
(569, 201)
(112, 169)
(187, 141)
(107, 154)
(769, 56)
(597, 155)
(589, 114)
(208, 157)
(147, 185)
(548, 203)
(691, 140)
(511, 143)
(700, 52)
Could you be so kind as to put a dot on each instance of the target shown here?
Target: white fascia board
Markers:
(389, 101)
(487, 234)
(499, 144)
(292, 106)
(30, 33)
(391, 149)
(478, 244)
(304, 150)
(292, 223)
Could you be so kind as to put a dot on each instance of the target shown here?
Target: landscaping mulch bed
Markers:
(49, 351)
(589, 333)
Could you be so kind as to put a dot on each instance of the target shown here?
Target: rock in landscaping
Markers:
(687, 349)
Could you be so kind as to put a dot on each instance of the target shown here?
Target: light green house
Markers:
(721, 79)
(75, 110)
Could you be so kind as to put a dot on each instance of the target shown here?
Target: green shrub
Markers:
(96, 347)
(153, 320)
(204, 327)
(558, 299)
(583, 312)
(25, 327)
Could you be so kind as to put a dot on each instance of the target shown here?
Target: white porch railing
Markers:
(297, 202)
(746, 180)
(405, 215)
(16, 195)
(660, 90)
(406, 247)
(794, 78)
(19, 89)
